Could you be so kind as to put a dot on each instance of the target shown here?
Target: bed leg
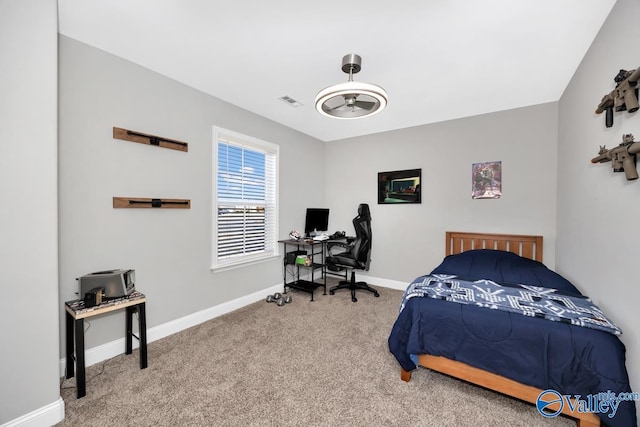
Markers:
(405, 375)
(587, 423)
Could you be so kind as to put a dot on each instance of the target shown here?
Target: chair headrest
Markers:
(363, 211)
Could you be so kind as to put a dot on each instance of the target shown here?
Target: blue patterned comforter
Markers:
(533, 301)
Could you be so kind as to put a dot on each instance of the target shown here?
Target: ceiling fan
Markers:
(351, 100)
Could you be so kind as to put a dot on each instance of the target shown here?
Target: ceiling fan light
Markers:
(341, 101)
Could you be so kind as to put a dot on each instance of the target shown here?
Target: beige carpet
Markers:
(321, 363)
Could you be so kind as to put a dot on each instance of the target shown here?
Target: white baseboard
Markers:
(114, 348)
(386, 283)
(376, 281)
(43, 417)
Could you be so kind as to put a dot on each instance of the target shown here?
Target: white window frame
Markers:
(271, 238)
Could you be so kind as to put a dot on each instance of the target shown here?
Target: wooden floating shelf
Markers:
(139, 202)
(148, 139)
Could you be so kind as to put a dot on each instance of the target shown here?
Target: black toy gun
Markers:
(623, 97)
(623, 157)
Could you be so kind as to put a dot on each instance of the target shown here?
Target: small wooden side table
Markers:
(76, 312)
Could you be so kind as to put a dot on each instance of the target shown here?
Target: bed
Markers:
(517, 355)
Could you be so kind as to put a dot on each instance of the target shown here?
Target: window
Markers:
(245, 210)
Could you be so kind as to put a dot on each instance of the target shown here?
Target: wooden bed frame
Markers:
(525, 246)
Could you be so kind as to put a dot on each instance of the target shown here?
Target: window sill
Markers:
(241, 264)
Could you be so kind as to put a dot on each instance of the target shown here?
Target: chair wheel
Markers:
(354, 299)
(377, 295)
(331, 292)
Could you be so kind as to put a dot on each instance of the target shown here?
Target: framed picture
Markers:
(399, 187)
(486, 180)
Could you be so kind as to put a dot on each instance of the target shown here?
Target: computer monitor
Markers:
(317, 219)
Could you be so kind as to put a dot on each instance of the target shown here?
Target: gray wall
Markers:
(170, 249)
(28, 212)
(408, 240)
(597, 238)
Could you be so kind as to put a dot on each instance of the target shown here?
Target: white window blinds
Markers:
(245, 208)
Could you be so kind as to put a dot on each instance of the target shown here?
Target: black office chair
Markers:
(355, 255)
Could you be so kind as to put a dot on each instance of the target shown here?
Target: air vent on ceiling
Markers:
(290, 101)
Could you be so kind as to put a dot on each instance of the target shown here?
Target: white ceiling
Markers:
(437, 59)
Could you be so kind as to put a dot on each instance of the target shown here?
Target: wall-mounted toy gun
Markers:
(623, 97)
(623, 157)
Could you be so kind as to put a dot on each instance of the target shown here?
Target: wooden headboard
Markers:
(525, 246)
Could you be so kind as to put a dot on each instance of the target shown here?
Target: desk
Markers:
(76, 312)
(317, 255)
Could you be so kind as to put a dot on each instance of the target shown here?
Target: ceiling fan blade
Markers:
(337, 106)
(366, 105)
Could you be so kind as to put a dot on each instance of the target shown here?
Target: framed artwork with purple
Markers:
(486, 180)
